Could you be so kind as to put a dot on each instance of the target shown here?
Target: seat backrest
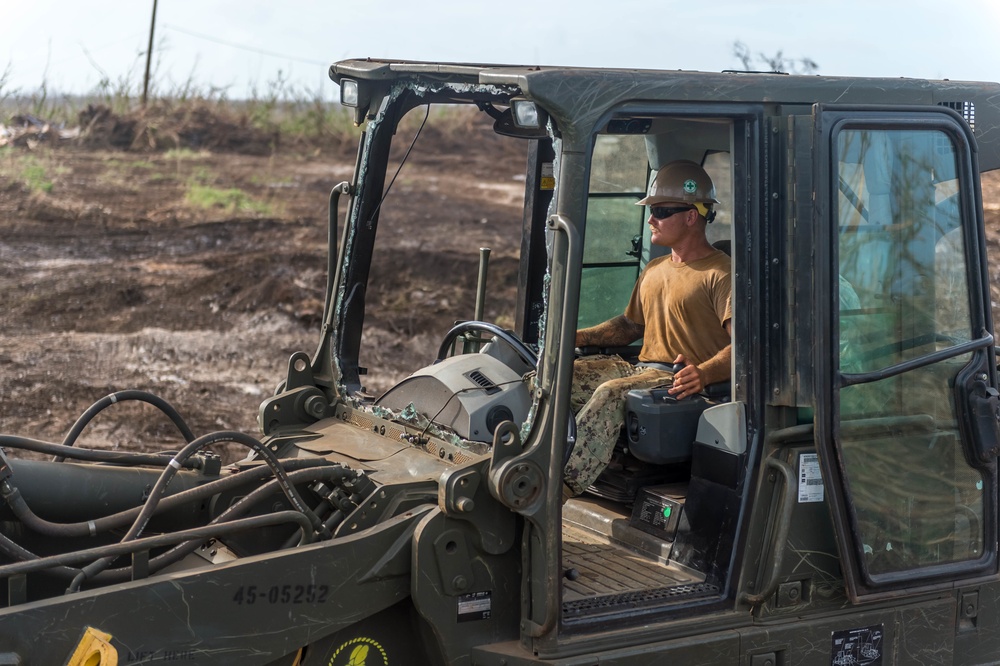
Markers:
(724, 245)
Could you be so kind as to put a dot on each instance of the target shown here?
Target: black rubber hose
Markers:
(114, 550)
(88, 455)
(318, 469)
(18, 553)
(281, 477)
(23, 512)
(332, 473)
(123, 396)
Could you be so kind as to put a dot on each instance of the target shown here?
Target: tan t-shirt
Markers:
(684, 307)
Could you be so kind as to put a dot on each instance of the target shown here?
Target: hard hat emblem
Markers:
(690, 186)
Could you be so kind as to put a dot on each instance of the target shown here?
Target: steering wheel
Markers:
(522, 350)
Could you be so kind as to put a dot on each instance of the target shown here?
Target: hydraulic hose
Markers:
(123, 396)
(314, 470)
(114, 550)
(281, 477)
(18, 553)
(234, 512)
(12, 495)
(88, 455)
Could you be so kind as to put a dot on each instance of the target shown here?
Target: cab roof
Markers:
(583, 95)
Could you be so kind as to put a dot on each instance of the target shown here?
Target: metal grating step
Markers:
(610, 566)
(638, 599)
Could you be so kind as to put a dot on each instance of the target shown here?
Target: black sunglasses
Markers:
(663, 212)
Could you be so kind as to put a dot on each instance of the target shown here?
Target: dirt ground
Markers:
(112, 277)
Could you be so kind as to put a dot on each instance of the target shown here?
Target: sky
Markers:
(248, 48)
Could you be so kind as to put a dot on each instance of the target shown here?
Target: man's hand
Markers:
(689, 380)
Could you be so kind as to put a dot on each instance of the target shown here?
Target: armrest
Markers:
(718, 391)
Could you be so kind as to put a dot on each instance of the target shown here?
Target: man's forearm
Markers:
(719, 367)
(615, 332)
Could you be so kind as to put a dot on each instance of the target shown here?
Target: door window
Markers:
(903, 295)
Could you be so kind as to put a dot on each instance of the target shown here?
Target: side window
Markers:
(611, 254)
(903, 295)
(617, 245)
(718, 165)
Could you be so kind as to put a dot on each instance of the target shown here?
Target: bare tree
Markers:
(5, 89)
(776, 63)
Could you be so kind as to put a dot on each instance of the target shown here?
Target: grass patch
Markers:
(29, 171)
(118, 170)
(35, 177)
(232, 200)
(161, 178)
(202, 175)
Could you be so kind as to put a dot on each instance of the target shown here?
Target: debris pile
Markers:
(198, 126)
(162, 126)
(27, 131)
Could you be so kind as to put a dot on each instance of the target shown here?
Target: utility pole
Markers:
(149, 57)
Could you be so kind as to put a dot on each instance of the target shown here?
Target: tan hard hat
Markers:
(682, 181)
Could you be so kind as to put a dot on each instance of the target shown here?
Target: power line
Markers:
(243, 46)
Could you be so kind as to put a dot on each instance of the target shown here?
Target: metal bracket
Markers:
(298, 401)
(458, 490)
(462, 495)
(95, 647)
(764, 659)
(789, 594)
(516, 481)
(968, 612)
(452, 554)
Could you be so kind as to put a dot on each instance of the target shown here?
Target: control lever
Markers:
(675, 368)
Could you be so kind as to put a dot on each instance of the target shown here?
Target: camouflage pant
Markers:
(600, 385)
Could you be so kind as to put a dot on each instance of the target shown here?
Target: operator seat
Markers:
(724, 245)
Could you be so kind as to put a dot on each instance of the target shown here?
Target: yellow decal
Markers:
(359, 656)
(548, 179)
(94, 649)
(360, 651)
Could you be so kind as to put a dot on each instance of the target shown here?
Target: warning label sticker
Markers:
(548, 181)
(475, 606)
(810, 479)
(857, 647)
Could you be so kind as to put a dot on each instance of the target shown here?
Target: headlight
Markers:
(526, 114)
(349, 92)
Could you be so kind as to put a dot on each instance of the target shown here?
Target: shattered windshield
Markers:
(452, 204)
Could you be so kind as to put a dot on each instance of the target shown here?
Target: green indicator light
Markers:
(666, 512)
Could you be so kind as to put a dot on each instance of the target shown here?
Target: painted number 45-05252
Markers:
(281, 594)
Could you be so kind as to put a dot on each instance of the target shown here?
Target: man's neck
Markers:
(692, 251)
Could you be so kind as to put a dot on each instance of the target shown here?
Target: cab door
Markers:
(905, 391)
